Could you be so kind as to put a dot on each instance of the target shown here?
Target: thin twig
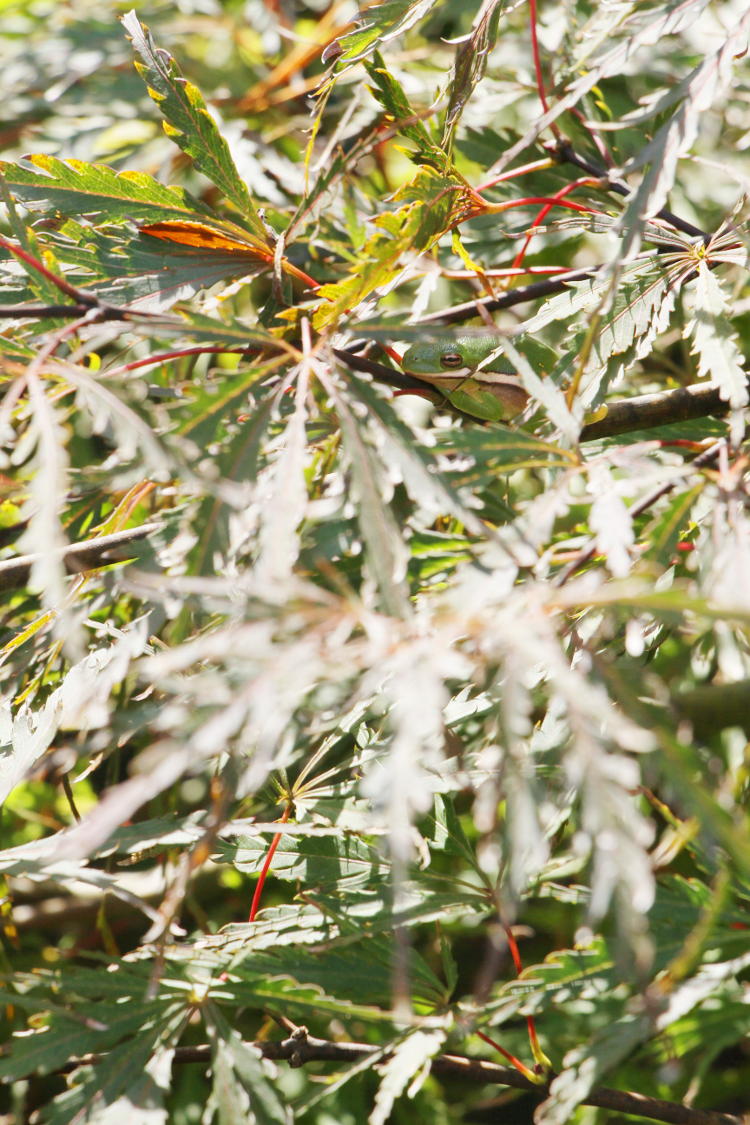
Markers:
(564, 152)
(458, 313)
(42, 312)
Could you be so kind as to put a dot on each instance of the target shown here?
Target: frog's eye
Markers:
(451, 359)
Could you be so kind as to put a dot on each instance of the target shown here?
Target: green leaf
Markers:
(122, 1081)
(501, 449)
(75, 188)
(386, 555)
(409, 1063)
(378, 24)
(705, 85)
(216, 417)
(318, 861)
(188, 122)
(663, 533)
(434, 201)
(284, 993)
(354, 967)
(470, 65)
(715, 341)
(242, 1092)
(584, 1068)
(423, 477)
(65, 1036)
(390, 93)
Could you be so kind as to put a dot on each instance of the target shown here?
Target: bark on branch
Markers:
(300, 1048)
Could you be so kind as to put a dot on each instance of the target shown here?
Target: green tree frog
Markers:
(493, 392)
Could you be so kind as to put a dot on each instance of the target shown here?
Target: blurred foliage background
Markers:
(494, 678)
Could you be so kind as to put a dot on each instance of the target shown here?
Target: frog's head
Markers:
(436, 358)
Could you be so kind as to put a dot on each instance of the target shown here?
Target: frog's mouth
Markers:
(454, 374)
(458, 375)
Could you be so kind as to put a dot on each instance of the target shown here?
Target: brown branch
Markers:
(301, 1048)
(714, 707)
(644, 412)
(389, 375)
(402, 382)
(43, 312)
(77, 557)
(518, 296)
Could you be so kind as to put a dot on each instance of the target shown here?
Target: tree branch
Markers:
(301, 1048)
(645, 412)
(713, 707)
(563, 152)
(43, 312)
(77, 557)
(623, 416)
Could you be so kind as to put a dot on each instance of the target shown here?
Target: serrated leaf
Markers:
(284, 490)
(307, 1001)
(705, 85)
(109, 412)
(610, 521)
(421, 475)
(118, 1078)
(671, 18)
(233, 333)
(678, 908)
(75, 188)
(636, 312)
(470, 65)
(238, 460)
(319, 862)
(501, 449)
(154, 272)
(354, 966)
(81, 701)
(661, 536)
(242, 1092)
(390, 93)
(447, 832)
(386, 553)
(67, 1036)
(378, 24)
(408, 1063)
(188, 122)
(715, 342)
(434, 202)
(584, 1067)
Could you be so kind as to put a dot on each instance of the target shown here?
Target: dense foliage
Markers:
(494, 677)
